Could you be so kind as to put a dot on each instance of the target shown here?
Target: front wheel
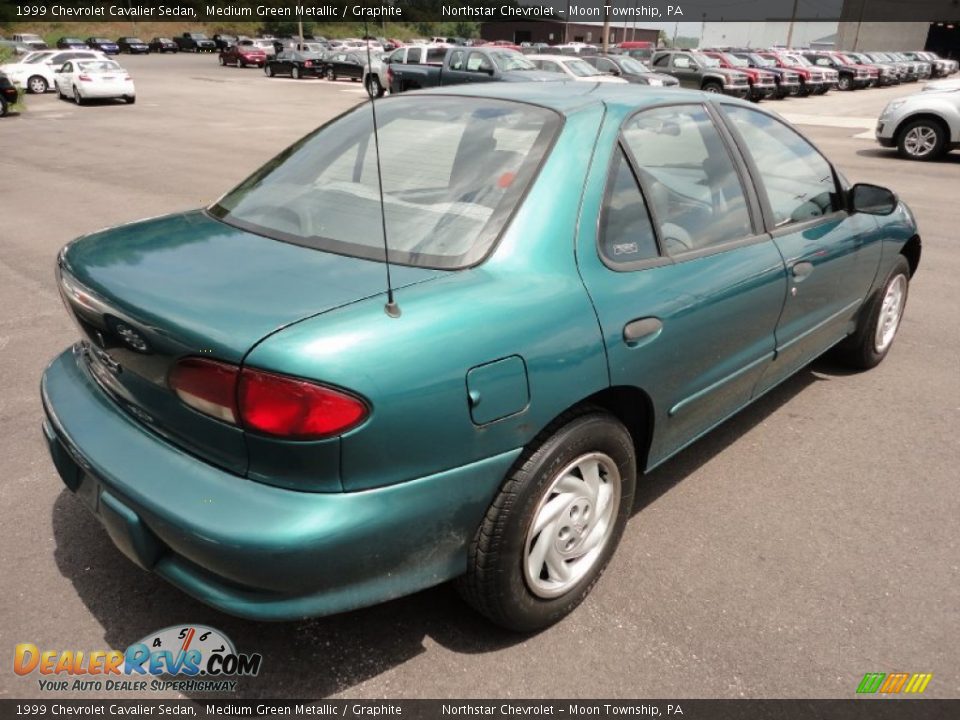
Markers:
(130, 99)
(374, 88)
(922, 140)
(331, 75)
(295, 73)
(713, 87)
(554, 525)
(268, 69)
(879, 321)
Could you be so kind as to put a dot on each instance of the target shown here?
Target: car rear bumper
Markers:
(247, 548)
(120, 89)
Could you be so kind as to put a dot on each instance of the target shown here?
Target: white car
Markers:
(573, 67)
(88, 79)
(942, 85)
(36, 72)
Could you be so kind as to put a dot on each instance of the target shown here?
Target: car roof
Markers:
(570, 96)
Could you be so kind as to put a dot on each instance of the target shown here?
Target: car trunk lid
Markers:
(148, 294)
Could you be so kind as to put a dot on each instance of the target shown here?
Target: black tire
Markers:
(330, 74)
(4, 107)
(712, 87)
(844, 83)
(295, 73)
(130, 99)
(496, 583)
(374, 88)
(860, 349)
(924, 126)
(37, 85)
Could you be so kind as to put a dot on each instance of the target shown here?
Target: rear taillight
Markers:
(85, 78)
(265, 402)
(208, 386)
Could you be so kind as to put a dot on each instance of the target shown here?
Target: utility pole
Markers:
(793, 19)
(606, 28)
(300, 32)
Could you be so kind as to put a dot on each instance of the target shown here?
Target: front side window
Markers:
(626, 233)
(453, 170)
(688, 177)
(682, 62)
(456, 60)
(478, 62)
(798, 181)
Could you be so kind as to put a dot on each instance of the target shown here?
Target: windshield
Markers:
(99, 66)
(134, 41)
(735, 61)
(797, 60)
(453, 171)
(508, 60)
(628, 64)
(105, 41)
(706, 60)
(36, 57)
(198, 36)
(581, 68)
(762, 61)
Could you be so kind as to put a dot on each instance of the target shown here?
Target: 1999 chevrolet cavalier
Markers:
(587, 278)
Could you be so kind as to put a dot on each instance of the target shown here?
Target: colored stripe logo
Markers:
(894, 683)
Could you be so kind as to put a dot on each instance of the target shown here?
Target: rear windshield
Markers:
(454, 169)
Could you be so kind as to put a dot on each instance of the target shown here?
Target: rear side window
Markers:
(798, 181)
(626, 233)
(453, 170)
(414, 55)
(688, 177)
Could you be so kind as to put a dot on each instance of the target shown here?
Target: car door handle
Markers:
(640, 329)
(801, 271)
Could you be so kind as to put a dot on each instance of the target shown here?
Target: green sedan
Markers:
(583, 280)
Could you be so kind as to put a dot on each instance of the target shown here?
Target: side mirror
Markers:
(487, 71)
(873, 199)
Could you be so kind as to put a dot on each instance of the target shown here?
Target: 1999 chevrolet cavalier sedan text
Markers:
(589, 277)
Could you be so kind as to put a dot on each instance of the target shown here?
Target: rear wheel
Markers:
(37, 85)
(879, 321)
(556, 522)
(844, 83)
(268, 69)
(923, 139)
(331, 75)
(77, 97)
(713, 87)
(295, 73)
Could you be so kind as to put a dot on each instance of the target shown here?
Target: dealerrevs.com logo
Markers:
(197, 658)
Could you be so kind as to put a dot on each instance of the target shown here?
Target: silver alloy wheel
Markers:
(38, 85)
(920, 140)
(891, 310)
(571, 525)
(77, 98)
(373, 86)
(295, 73)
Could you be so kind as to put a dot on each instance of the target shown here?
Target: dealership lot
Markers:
(806, 542)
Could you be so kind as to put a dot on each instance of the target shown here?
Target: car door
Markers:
(62, 77)
(686, 70)
(831, 254)
(687, 286)
(479, 67)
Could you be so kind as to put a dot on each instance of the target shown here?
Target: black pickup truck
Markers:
(416, 67)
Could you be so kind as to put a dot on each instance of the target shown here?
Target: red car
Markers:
(813, 80)
(763, 84)
(242, 54)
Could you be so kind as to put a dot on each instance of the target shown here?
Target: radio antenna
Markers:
(391, 308)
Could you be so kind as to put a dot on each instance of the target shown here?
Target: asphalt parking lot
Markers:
(806, 542)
